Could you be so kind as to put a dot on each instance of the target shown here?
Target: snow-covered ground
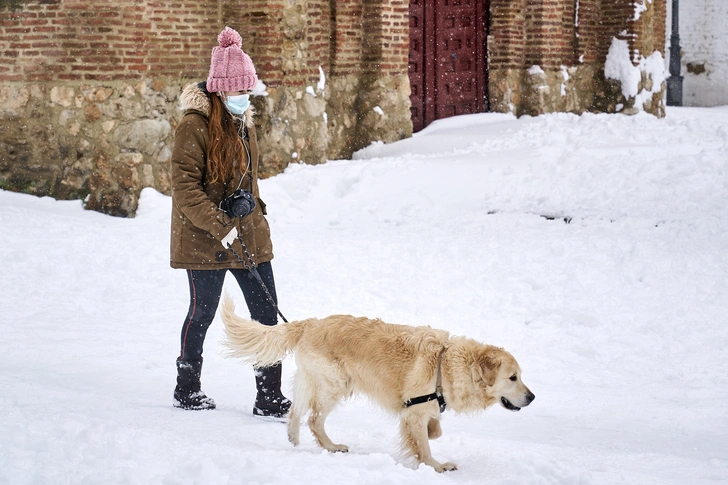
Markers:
(619, 318)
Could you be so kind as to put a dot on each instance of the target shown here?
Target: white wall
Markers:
(704, 43)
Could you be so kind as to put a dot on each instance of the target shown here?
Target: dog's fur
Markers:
(341, 354)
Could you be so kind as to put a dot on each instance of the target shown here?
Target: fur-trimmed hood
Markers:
(196, 97)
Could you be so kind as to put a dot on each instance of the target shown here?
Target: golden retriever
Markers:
(392, 364)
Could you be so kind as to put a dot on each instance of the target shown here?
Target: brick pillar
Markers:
(614, 16)
(369, 63)
(589, 31)
(550, 33)
(346, 35)
(258, 23)
(507, 39)
(383, 103)
(550, 45)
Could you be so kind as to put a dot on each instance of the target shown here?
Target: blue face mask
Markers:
(238, 104)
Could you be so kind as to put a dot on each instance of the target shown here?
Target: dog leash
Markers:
(437, 395)
(254, 271)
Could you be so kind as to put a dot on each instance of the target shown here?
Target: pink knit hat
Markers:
(230, 69)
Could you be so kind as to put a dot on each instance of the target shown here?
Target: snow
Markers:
(322, 80)
(618, 317)
(260, 89)
(619, 66)
(566, 77)
(639, 7)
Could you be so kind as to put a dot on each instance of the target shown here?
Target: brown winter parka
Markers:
(198, 225)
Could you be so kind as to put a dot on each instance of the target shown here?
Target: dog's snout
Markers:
(530, 397)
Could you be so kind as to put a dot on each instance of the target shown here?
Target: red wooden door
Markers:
(447, 59)
(416, 63)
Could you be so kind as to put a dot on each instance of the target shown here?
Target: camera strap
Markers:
(250, 264)
(254, 271)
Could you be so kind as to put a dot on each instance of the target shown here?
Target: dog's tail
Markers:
(253, 342)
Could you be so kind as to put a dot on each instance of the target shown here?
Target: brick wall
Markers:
(317, 37)
(394, 39)
(346, 42)
(369, 36)
(588, 31)
(127, 39)
(76, 40)
(614, 18)
(550, 33)
(506, 39)
(258, 22)
(554, 33)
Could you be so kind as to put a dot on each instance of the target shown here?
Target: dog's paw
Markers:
(446, 467)
(339, 449)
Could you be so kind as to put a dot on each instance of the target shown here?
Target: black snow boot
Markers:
(270, 402)
(187, 394)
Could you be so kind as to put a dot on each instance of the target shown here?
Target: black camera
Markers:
(240, 204)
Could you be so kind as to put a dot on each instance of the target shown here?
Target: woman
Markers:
(215, 153)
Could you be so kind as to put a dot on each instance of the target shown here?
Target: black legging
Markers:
(205, 292)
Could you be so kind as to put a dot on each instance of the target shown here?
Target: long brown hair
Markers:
(225, 152)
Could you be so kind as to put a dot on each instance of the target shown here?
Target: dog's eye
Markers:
(514, 378)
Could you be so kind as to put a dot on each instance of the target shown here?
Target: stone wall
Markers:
(102, 142)
(89, 90)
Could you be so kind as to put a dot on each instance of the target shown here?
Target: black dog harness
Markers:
(437, 395)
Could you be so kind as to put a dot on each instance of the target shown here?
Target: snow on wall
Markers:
(620, 66)
(639, 7)
(704, 44)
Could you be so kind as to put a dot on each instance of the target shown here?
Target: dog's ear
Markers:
(485, 369)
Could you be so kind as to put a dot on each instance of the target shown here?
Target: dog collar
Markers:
(437, 395)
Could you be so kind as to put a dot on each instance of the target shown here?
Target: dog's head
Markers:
(499, 372)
